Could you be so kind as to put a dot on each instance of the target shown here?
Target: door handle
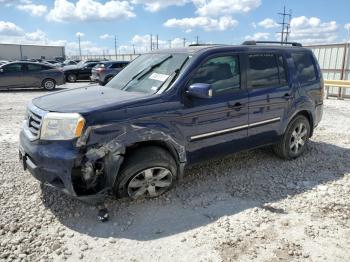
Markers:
(236, 106)
(287, 96)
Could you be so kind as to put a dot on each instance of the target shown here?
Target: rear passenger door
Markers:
(85, 72)
(33, 74)
(269, 94)
(218, 125)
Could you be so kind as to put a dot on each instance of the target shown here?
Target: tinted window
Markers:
(117, 65)
(33, 67)
(266, 70)
(91, 65)
(221, 72)
(305, 67)
(13, 68)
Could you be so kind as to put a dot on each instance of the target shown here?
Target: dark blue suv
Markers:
(169, 109)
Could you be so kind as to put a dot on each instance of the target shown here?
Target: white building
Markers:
(16, 52)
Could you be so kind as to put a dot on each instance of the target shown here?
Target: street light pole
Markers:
(79, 45)
(115, 47)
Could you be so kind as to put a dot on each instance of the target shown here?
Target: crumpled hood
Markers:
(86, 99)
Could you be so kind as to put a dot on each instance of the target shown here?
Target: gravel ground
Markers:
(251, 206)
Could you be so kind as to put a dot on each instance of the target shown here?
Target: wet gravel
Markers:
(249, 206)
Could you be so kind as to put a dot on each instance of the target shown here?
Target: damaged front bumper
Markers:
(87, 175)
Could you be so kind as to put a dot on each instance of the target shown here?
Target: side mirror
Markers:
(200, 90)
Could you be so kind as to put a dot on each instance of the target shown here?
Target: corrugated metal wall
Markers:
(120, 57)
(334, 60)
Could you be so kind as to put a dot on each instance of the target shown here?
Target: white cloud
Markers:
(258, 36)
(156, 5)
(347, 26)
(106, 36)
(268, 23)
(32, 9)
(312, 30)
(90, 10)
(206, 23)
(224, 7)
(77, 34)
(10, 29)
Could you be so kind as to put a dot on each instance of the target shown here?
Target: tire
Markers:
(148, 172)
(71, 78)
(49, 84)
(294, 140)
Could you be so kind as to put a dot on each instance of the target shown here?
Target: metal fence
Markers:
(334, 60)
(120, 57)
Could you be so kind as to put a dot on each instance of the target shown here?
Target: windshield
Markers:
(81, 63)
(148, 73)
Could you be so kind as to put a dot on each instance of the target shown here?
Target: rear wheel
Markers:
(147, 173)
(71, 78)
(49, 84)
(294, 141)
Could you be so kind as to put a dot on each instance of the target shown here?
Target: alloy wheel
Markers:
(150, 182)
(49, 84)
(298, 138)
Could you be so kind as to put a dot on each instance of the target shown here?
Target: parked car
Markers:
(69, 62)
(169, 109)
(28, 74)
(104, 72)
(2, 62)
(81, 71)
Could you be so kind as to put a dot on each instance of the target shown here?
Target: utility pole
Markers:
(79, 45)
(197, 40)
(169, 41)
(157, 42)
(115, 47)
(133, 47)
(184, 39)
(285, 24)
(151, 42)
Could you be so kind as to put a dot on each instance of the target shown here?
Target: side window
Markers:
(266, 70)
(222, 73)
(116, 65)
(305, 67)
(12, 68)
(33, 67)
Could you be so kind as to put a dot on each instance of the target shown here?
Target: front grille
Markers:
(34, 120)
(34, 123)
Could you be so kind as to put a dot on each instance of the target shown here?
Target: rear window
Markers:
(304, 64)
(266, 70)
(33, 67)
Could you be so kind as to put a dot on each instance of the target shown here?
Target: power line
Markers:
(286, 18)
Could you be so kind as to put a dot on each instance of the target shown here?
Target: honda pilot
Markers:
(169, 109)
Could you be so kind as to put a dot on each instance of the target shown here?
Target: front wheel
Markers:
(147, 173)
(294, 140)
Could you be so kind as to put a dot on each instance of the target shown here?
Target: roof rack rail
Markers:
(252, 42)
(205, 44)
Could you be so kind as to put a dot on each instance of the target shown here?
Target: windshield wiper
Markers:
(144, 72)
(172, 77)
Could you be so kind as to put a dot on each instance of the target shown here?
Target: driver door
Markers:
(11, 75)
(219, 124)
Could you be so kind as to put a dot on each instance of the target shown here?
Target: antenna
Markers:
(286, 18)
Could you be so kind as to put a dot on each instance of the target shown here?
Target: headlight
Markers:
(61, 126)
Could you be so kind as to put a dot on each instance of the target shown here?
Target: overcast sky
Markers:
(59, 22)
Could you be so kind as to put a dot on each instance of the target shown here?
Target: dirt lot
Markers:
(251, 206)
